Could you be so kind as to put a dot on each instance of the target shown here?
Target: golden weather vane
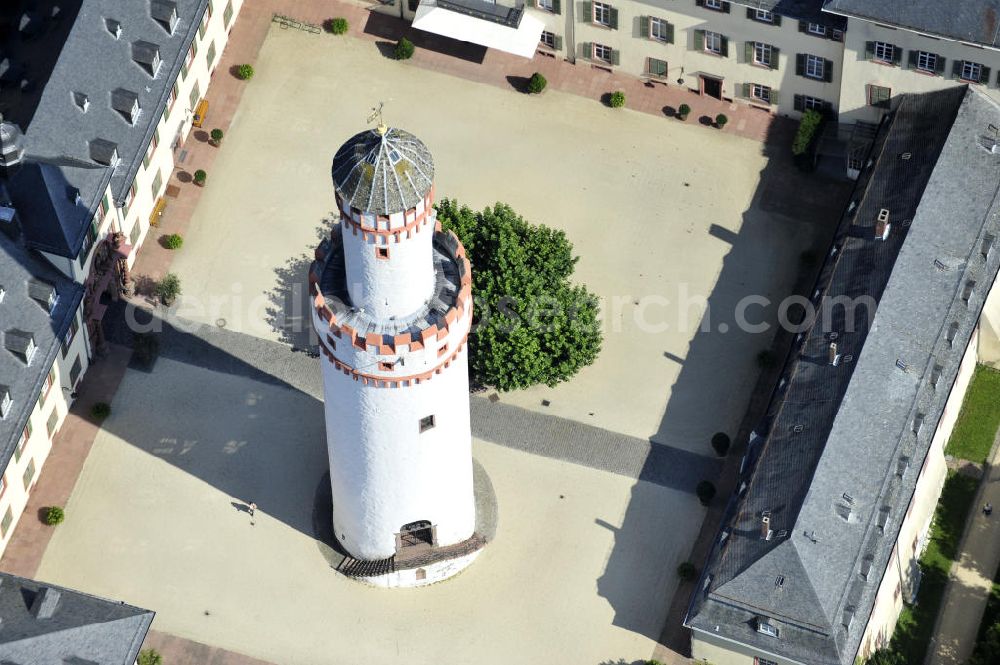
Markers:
(377, 114)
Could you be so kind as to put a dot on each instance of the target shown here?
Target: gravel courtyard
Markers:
(660, 213)
(580, 572)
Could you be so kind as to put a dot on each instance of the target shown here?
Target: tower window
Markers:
(386, 366)
(381, 252)
(426, 423)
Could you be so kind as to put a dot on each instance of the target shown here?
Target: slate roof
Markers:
(800, 10)
(96, 65)
(45, 624)
(835, 462)
(383, 173)
(21, 313)
(975, 21)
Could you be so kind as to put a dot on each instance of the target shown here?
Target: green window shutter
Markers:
(774, 97)
(145, 160)
(587, 15)
(184, 69)
(644, 27)
(869, 50)
(828, 70)
(777, 19)
(985, 77)
(699, 3)
(939, 66)
(726, 7)
(747, 51)
(557, 42)
(670, 33)
(699, 40)
(746, 90)
(614, 18)
(751, 14)
(615, 57)
(725, 47)
(799, 103)
(956, 69)
(911, 59)
(897, 55)
(803, 26)
(800, 64)
(587, 50)
(557, 6)
(775, 53)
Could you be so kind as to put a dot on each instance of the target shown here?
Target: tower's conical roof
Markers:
(383, 171)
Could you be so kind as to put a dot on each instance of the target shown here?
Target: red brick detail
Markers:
(401, 340)
(430, 333)
(394, 381)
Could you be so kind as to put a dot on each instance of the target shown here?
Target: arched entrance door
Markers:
(416, 534)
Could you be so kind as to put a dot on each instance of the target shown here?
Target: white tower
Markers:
(392, 310)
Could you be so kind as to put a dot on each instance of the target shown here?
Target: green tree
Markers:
(988, 649)
(150, 657)
(885, 657)
(533, 325)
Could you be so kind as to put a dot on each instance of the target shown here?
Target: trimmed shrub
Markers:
(245, 72)
(169, 288)
(200, 177)
(335, 26)
(682, 111)
(721, 120)
(705, 492)
(149, 657)
(536, 83)
(216, 136)
(808, 126)
(404, 49)
(720, 443)
(54, 515)
(686, 571)
(173, 241)
(100, 411)
(617, 99)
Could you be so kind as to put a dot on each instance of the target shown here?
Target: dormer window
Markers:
(165, 11)
(147, 54)
(126, 102)
(114, 27)
(5, 401)
(104, 152)
(21, 344)
(765, 627)
(82, 101)
(43, 293)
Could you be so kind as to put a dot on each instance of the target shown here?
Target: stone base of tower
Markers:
(421, 566)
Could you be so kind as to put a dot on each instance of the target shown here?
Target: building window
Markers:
(195, 96)
(656, 67)
(547, 5)
(157, 183)
(74, 325)
(602, 14)
(381, 252)
(29, 474)
(210, 57)
(426, 423)
(386, 366)
(659, 30)
(717, 5)
(133, 237)
(602, 53)
(884, 52)
(972, 72)
(807, 103)
(879, 96)
(25, 435)
(815, 67)
(762, 54)
(713, 42)
(74, 372)
(816, 29)
(548, 39)
(926, 62)
(52, 422)
(204, 23)
(764, 15)
(761, 93)
(227, 14)
(763, 661)
(8, 517)
(766, 628)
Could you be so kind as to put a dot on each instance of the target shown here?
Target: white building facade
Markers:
(393, 309)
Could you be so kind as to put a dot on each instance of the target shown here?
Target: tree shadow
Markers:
(290, 304)
(669, 111)
(518, 83)
(706, 121)
(201, 135)
(184, 176)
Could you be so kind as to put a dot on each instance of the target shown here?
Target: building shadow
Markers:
(290, 305)
(721, 386)
(392, 28)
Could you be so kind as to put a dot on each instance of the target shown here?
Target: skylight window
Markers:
(764, 627)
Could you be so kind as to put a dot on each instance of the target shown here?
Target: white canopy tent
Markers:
(481, 22)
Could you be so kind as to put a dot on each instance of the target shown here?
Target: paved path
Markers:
(971, 577)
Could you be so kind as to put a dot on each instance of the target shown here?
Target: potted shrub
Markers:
(804, 143)
(721, 120)
(245, 72)
(216, 137)
(100, 411)
(200, 177)
(720, 443)
(335, 26)
(617, 99)
(682, 111)
(404, 49)
(536, 83)
(173, 241)
(168, 289)
(149, 657)
(705, 492)
(686, 571)
(54, 515)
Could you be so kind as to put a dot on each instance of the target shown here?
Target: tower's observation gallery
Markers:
(392, 299)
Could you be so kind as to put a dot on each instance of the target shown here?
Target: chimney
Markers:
(834, 356)
(882, 225)
(765, 525)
